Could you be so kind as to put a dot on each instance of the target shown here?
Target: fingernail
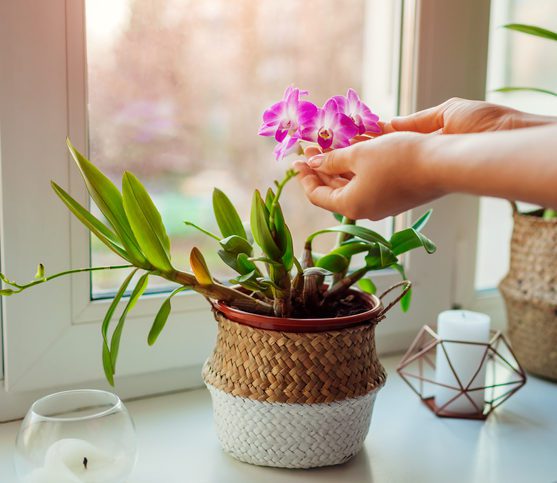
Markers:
(315, 161)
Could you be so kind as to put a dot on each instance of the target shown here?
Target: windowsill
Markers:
(406, 442)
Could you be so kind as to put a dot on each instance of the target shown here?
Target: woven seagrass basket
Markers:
(295, 393)
(530, 293)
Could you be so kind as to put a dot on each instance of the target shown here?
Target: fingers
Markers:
(329, 180)
(426, 121)
(386, 128)
(311, 151)
(319, 193)
(334, 162)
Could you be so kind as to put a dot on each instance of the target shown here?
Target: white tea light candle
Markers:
(76, 460)
(465, 326)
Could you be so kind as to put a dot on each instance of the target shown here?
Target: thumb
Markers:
(426, 121)
(338, 161)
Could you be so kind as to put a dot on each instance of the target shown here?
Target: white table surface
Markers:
(406, 443)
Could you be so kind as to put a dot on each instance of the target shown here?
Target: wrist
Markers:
(428, 167)
(519, 119)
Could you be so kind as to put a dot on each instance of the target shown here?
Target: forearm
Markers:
(519, 164)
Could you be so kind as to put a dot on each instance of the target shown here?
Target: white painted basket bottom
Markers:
(291, 435)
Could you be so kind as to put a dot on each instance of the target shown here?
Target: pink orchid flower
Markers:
(328, 127)
(281, 120)
(355, 109)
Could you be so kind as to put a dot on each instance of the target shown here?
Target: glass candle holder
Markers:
(75, 436)
(502, 374)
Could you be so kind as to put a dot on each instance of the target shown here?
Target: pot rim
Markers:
(284, 324)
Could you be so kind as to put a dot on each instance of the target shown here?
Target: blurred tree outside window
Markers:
(176, 89)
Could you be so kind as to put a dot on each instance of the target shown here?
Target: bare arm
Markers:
(399, 171)
(520, 164)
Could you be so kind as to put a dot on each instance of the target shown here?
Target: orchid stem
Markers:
(291, 173)
(68, 272)
(342, 237)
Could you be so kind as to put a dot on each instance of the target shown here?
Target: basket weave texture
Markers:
(286, 367)
(530, 293)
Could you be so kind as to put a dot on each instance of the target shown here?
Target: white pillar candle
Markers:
(461, 325)
(73, 460)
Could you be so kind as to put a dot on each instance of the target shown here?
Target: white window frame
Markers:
(51, 334)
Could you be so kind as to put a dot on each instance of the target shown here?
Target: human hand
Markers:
(371, 179)
(462, 116)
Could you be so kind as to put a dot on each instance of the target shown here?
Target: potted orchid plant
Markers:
(294, 373)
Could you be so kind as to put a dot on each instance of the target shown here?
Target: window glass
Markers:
(520, 60)
(176, 90)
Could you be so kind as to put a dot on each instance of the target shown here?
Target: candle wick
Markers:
(85, 462)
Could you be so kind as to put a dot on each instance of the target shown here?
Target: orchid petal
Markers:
(280, 134)
(307, 113)
(325, 143)
(285, 148)
(342, 104)
(267, 130)
(331, 106)
(353, 100)
(273, 113)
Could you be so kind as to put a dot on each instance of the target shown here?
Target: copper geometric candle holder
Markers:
(504, 375)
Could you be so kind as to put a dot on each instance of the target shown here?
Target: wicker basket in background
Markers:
(530, 293)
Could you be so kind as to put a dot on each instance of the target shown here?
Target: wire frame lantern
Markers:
(504, 375)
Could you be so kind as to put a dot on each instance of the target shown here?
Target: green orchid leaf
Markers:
(407, 299)
(422, 220)
(408, 239)
(250, 282)
(236, 244)
(532, 30)
(227, 217)
(199, 267)
(137, 292)
(244, 264)
(358, 231)
(6, 292)
(162, 317)
(107, 359)
(367, 286)
(338, 217)
(267, 282)
(93, 224)
(109, 200)
(269, 198)
(246, 277)
(352, 247)
(333, 262)
(229, 259)
(526, 89)
(379, 257)
(202, 230)
(265, 260)
(251, 285)
(284, 238)
(260, 228)
(146, 223)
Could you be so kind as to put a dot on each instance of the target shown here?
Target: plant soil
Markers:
(350, 304)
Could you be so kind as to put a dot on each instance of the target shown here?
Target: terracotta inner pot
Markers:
(372, 315)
